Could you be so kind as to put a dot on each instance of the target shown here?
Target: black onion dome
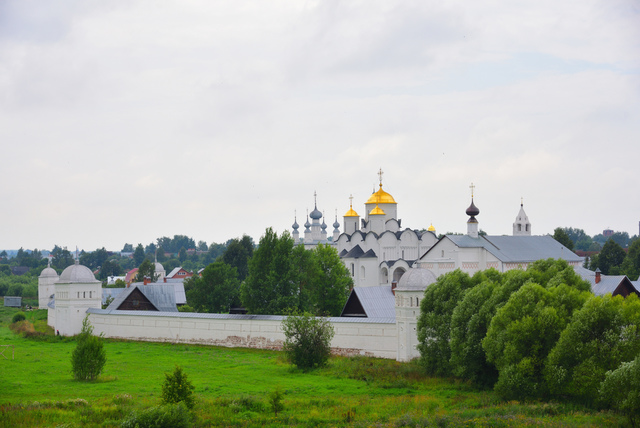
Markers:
(472, 211)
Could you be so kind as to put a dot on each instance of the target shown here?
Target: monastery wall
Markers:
(353, 336)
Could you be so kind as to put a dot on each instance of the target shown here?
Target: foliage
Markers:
(275, 401)
(331, 282)
(147, 269)
(216, 291)
(138, 255)
(238, 253)
(601, 335)
(268, 288)
(19, 316)
(169, 416)
(89, 356)
(177, 388)
(611, 256)
(561, 236)
(523, 332)
(434, 323)
(307, 340)
(173, 245)
(621, 389)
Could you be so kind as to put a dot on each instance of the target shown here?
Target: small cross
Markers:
(314, 196)
(380, 175)
(351, 201)
(472, 187)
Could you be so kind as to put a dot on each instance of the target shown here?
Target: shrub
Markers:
(89, 357)
(171, 416)
(308, 340)
(275, 401)
(621, 389)
(19, 316)
(177, 388)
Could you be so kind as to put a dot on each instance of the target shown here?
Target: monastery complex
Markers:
(391, 268)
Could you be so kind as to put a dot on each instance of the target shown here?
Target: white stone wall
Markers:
(377, 339)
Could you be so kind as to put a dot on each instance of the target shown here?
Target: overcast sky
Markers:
(124, 121)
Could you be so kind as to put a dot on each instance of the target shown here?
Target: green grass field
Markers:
(233, 385)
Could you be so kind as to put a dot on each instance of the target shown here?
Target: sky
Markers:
(124, 121)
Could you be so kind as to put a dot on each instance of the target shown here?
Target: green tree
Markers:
(434, 323)
(61, 258)
(138, 255)
(160, 254)
(561, 236)
(128, 248)
(148, 270)
(610, 258)
(182, 254)
(621, 390)
(600, 336)
(268, 289)
(178, 388)
(89, 356)
(631, 262)
(238, 253)
(523, 332)
(307, 340)
(216, 291)
(332, 282)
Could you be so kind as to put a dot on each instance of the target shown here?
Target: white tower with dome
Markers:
(46, 284)
(76, 291)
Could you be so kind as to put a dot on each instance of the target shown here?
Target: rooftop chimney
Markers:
(598, 275)
(146, 280)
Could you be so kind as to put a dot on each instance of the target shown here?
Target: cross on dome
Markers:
(472, 187)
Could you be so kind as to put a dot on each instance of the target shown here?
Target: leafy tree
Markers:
(138, 255)
(307, 340)
(95, 259)
(215, 250)
(182, 254)
(611, 256)
(217, 290)
(621, 389)
(128, 248)
(620, 238)
(173, 245)
(631, 263)
(576, 234)
(238, 253)
(89, 356)
(333, 282)
(523, 332)
(202, 246)
(61, 258)
(561, 236)
(160, 254)
(268, 288)
(110, 268)
(434, 323)
(178, 388)
(148, 270)
(600, 336)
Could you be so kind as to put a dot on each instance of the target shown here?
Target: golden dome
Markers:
(351, 213)
(431, 228)
(381, 197)
(376, 211)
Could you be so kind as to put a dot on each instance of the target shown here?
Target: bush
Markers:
(19, 316)
(171, 416)
(621, 389)
(89, 357)
(177, 388)
(308, 340)
(275, 401)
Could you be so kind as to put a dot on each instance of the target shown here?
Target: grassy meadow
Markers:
(232, 387)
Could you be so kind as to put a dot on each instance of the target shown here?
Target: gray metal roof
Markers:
(513, 249)
(162, 296)
(178, 287)
(233, 316)
(110, 292)
(377, 302)
(608, 283)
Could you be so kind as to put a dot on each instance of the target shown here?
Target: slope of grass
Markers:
(233, 385)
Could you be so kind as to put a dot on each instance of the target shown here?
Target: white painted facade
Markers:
(46, 286)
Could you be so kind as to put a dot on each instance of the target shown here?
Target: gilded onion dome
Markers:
(431, 228)
(351, 212)
(381, 197)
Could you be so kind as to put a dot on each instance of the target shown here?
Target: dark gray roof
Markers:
(233, 316)
(513, 249)
(377, 302)
(177, 284)
(357, 252)
(162, 296)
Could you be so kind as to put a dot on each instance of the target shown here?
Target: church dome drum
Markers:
(416, 279)
(77, 273)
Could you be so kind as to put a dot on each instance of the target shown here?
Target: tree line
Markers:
(529, 335)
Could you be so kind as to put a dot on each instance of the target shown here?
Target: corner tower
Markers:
(522, 226)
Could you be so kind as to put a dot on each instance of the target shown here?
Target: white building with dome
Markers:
(75, 291)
